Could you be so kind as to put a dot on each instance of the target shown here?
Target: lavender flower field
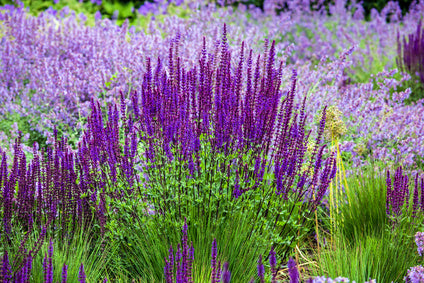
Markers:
(203, 141)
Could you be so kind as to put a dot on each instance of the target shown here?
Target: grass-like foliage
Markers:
(376, 226)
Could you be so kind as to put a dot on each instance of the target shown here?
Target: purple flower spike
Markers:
(48, 264)
(293, 272)
(226, 274)
(28, 267)
(213, 261)
(273, 264)
(97, 16)
(64, 273)
(169, 266)
(81, 274)
(415, 203)
(261, 270)
(6, 270)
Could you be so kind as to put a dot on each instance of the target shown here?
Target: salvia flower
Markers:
(27, 267)
(64, 273)
(226, 274)
(81, 274)
(273, 264)
(6, 270)
(397, 193)
(410, 53)
(213, 261)
(293, 271)
(48, 264)
(261, 270)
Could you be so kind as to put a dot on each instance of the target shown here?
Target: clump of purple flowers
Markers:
(398, 195)
(411, 53)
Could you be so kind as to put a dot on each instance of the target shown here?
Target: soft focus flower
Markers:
(97, 16)
(261, 270)
(415, 274)
(293, 271)
(419, 240)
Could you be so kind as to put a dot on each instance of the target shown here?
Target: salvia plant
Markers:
(398, 194)
(410, 55)
(226, 139)
(253, 132)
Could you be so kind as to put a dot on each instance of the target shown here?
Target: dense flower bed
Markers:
(120, 144)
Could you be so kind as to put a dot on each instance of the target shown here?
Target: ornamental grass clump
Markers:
(179, 268)
(335, 128)
(369, 235)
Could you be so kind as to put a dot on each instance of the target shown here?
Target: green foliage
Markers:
(374, 63)
(385, 257)
(365, 213)
(107, 8)
(83, 248)
(368, 4)
(209, 193)
(126, 10)
(151, 241)
(417, 90)
(24, 124)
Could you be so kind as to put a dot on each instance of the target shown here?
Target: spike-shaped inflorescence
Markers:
(398, 194)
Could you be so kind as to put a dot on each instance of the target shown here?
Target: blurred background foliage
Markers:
(127, 9)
